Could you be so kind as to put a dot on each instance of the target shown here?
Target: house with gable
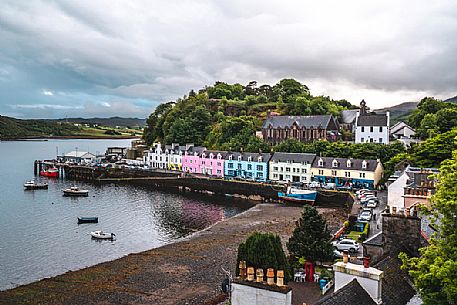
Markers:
(247, 165)
(371, 127)
(212, 163)
(291, 167)
(305, 129)
(347, 172)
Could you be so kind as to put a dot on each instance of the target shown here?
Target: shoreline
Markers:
(186, 271)
(45, 138)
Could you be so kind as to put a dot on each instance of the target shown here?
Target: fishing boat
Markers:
(87, 220)
(74, 191)
(33, 185)
(298, 195)
(51, 172)
(102, 235)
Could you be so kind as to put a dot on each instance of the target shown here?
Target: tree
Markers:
(433, 273)
(311, 238)
(435, 150)
(288, 88)
(263, 250)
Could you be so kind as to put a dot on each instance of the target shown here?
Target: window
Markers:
(321, 172)
(320, 162)
(230, 157)
(249, 167)
(362, 140)
(371, 140)
(275, 175)
(219, 164)
(230, 165)
(303, 178)
(371, 128)
(362, 175)
(349, 163)
(287, 169)
(335, 163)
(380, 140)
(287, 177)
(275, 168)
(260, 167)
(203, 162)
(303, 170)
(364, 164)
(239, 158)
(333, 173)
(347, 174)
(239, 165)
(380, 128)
(230, 173)
(260, 159)
(363, 129)
(190, 161)
(249, 159)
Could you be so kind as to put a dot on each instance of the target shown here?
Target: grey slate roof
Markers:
(348, 116)
(342, 164)
(375, 240)
(351, 294)
(244, 156)
(397, 288)
(372, 120)
(215, 152)
(282, 121)
(293, 157)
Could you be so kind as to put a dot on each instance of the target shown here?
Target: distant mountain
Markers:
(399, 112)
(11, 128)
(109, 122)
(452, 99)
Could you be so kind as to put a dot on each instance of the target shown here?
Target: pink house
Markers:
(191, 160)
(212, 163)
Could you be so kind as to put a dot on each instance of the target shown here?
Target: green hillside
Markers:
(11, 128)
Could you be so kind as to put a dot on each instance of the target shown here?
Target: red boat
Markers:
(50, 172)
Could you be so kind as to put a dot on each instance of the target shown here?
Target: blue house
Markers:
(247, 165)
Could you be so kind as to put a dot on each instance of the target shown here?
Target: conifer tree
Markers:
(311, 239)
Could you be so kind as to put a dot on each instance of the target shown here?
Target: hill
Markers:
(109, 122)
(11, 128)
(399, 112)
(452, 99)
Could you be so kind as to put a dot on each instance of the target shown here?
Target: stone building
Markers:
(305, 129)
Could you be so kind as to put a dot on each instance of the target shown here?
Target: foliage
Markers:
(11, 128)
(434, 271)
(435, 150)
(311, 238)
(263, 250)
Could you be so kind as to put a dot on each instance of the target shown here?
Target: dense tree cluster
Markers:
(226, 116)
(432, 117)
(11, 128)
(434, 271)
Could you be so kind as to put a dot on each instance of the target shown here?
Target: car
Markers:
(371, 204)
(365, 195)
(329, 186)
(360, 192)
(365, 215)
(366, 199)
(337, 254)
(346, 244)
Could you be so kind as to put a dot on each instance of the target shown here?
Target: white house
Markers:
(291, 167)
(371, 127)
(401, 130)
(165, 156)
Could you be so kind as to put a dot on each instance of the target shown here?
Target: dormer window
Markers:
(239, 158)
(203, 155)
(249, 159)
(260, 159)
(211, 156)
(219, 156)
(364, 164)
(230, 157)
(320, 163)
(334, 163)
(349, 163)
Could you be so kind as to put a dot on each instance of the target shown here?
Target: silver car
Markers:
(346, 244)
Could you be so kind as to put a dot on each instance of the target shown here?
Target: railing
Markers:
(327, 287)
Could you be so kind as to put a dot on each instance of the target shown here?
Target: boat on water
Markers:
(33, 185)
(51, 172)
(102, 235)
(75, 192)
(297, 195)
(87, 220)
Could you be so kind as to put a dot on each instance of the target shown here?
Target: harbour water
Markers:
(39, 234)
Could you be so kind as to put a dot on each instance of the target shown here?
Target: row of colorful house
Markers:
(278, 167)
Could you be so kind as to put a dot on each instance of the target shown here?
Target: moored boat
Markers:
(75, 192)
(33, 185)
(50, 172)
(297, 195)
(87, 220)
(102, 235)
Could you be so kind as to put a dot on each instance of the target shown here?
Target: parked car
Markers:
(360, 192)
(364, 195)
(346, 244)
(365, 215)
(366, 199)
(329, 186)
(371, 203)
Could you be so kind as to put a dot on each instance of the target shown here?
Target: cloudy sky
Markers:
(105, 58)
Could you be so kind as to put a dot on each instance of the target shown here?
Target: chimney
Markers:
(280, 278)
(270, 276)
(189, 146)
(251, 274)
(259, 274)
(345, 256)
(242, 267)
(369, 278)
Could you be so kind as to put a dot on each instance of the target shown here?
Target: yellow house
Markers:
(356, 173)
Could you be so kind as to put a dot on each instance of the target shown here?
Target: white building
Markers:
(401, 130)
(371, 127)
(78, 157)
(165, 157)
(291, 167)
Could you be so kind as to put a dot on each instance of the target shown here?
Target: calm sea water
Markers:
(39, 234)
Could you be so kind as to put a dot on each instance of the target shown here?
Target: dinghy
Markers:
(102, 235)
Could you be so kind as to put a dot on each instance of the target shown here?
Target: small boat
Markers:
(75, 192)
(50, 172)
(102, 235)
(297, 195)
(87, 220)
(33, 185)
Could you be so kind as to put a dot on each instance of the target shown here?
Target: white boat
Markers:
(33, 185)
(76, 192)
(102, 235)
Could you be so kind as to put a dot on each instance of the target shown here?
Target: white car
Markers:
(365, 215)
(360, 192)
(365, 195)
(346, 244)
(371, 204)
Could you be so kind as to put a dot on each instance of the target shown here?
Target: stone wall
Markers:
(400, 233)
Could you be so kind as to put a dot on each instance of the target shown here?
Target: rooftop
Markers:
(283, 121)
(372, 120)
(293, 157)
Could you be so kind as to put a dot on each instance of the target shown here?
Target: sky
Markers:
(122, 58)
